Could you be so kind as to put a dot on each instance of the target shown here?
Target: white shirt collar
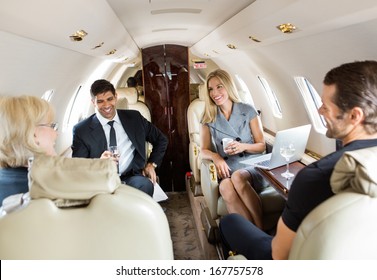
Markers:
(104, 121)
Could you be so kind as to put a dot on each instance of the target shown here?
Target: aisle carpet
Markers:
(186, 244)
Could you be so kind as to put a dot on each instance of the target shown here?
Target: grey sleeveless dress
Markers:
(237, 128)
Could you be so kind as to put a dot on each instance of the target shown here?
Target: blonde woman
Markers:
(226, 117)
(27, 128)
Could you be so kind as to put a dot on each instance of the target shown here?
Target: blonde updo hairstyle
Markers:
(19, 117)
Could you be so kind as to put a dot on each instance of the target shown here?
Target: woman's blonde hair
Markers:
(19, 117)
(210, 111)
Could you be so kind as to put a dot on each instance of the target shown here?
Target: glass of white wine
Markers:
(116, 154)
(287, 151)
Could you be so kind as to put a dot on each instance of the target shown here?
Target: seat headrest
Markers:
(56, 177)
(202, 91)
(128, 92)
(355, 171)
(122, 103)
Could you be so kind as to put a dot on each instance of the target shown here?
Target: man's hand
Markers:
(150, 172)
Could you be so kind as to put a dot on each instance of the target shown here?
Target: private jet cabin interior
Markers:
(277, 52)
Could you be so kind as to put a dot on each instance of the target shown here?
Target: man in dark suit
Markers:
(91, 138)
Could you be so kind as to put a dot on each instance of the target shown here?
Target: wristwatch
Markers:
(153, 164)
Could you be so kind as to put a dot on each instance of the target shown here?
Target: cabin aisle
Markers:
(186, 244)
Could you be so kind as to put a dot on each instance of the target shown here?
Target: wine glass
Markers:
(116, 154)
(287, 151)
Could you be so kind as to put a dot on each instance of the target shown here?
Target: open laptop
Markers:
(298, 136)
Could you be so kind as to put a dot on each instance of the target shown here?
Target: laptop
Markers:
(298, 136)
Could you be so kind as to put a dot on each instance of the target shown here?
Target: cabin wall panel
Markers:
(31, 67)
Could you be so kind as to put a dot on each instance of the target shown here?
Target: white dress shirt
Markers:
(124, 143)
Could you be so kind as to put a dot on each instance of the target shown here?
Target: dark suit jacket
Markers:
(89, 140)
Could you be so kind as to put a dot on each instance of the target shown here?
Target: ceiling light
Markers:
(78, 35)
(254, 39)
(98, 46)
(232, 47)
(286, 27)
(111, 52)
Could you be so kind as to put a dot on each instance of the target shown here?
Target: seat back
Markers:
(128, 99)
(344, 226)
(79, 210)
(194, 116)
(133, 103)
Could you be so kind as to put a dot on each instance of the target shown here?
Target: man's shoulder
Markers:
(130, 115)
(84, 123)
(128, 112)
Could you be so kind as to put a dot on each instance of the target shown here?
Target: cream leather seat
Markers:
(272, 202)
(133, 103)
(128, 99)
(194, 116)
(79, 210)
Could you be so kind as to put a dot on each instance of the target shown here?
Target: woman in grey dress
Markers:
(226, 117)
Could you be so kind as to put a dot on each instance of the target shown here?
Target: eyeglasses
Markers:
(54, 126)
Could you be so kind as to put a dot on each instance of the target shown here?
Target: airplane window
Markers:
(312, 102)
(244, 92)
(48, 95)
(75, 109)
(271, 97)
(79, 105)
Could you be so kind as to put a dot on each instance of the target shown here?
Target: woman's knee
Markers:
(226, 189)
(240, 179)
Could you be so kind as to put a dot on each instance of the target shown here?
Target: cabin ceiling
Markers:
(118, 29)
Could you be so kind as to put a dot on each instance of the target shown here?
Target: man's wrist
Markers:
(153, 164)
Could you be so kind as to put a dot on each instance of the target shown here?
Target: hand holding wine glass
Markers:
(287, 151)
(115, 153)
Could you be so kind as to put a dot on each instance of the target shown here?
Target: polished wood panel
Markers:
(281, 184)
(166, 90)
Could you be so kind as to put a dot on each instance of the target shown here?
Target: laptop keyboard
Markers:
(265, 163)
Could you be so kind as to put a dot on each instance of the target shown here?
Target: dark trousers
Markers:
(243, 237)
(139, 182)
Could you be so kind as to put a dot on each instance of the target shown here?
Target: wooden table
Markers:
(281, 184)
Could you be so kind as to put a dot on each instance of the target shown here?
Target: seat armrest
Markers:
(210, 186)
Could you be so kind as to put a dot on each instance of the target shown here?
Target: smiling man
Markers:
(128, 130)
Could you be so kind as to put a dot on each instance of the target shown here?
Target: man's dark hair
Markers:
(131, 82)
(356, 86)
(101, 86)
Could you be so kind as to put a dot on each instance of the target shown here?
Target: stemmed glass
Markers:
(116, 154)
(287, 151)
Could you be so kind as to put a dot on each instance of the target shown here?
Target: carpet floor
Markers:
(186, 244)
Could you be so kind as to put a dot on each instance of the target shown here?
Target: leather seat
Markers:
(272, 201)
(194, 116)
(133, 103)
(128, 99)
(80, 210)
